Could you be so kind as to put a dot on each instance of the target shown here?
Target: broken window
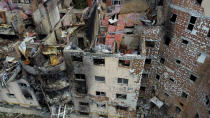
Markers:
(192, 23)
(80, 83)
(148, 61)
(26, 94)
(80, 86)
(83, 103)
(185, 42)
(172, 79)
(124, 62)
(76, 58)
(193, 78)
(121, 108)
(115, 2)
(157, 77)
(23, 1)
(178, 61)
(100, 79)
(142, 88)
(160, 3)
(208, 35)
(101, 105)
(103, 116)
(153, 89)
(184, 95)
(99, 93)
(10, 95)
(166, 94)
(181, 104)
(178, 110)
(81, 43)
(23, 85)
(197, 115)
(144, 75)
(98, 61)
(121, 96)
(206, 100)
(84, 113)
(173, 18)
(80, 77)
(150, 44)
(162, 60)
(122, 81)
(167, 40)
(199, 2)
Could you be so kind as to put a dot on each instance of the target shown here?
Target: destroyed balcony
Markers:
(84, 108)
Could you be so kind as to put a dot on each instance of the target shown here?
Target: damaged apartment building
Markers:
(105, 58)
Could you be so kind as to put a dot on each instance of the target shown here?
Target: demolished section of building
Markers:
(114, 58)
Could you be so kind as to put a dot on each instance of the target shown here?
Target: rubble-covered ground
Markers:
(13, 115)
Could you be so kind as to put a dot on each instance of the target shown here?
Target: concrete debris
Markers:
(157, 102)
(114, 58)
(134, 6)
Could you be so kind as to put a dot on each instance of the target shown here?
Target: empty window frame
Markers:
(144, 75)
(157, 77)
(181, 104)
(197, 115)
(150, 44)
(208, 35)
(184, 95)
(178, 61)
(193, 78)
(84, 113)
(148, 61)
(206, 100)
(154, 89)
(122, 81)
(124, 62)
(173, 18)
(84, 103)
(99, 93)
(166, 94)
(104, 1)
(27, 95)
(171, 79)
(185, 42)
(121, 108)
(100, 79)
(167, 40)
(10, 95)
(98, 61)
(103, 116)
(199, 2)
(23, 85)
(162, 60)
(178, 110)
(77, 58)
(101, 105)
(160, 3)
(121, 96)
(81, 43)
(80, 77)
(191, 23)
(115, 2)
(142, 88)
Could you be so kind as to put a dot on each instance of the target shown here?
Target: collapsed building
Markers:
(115, 58)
